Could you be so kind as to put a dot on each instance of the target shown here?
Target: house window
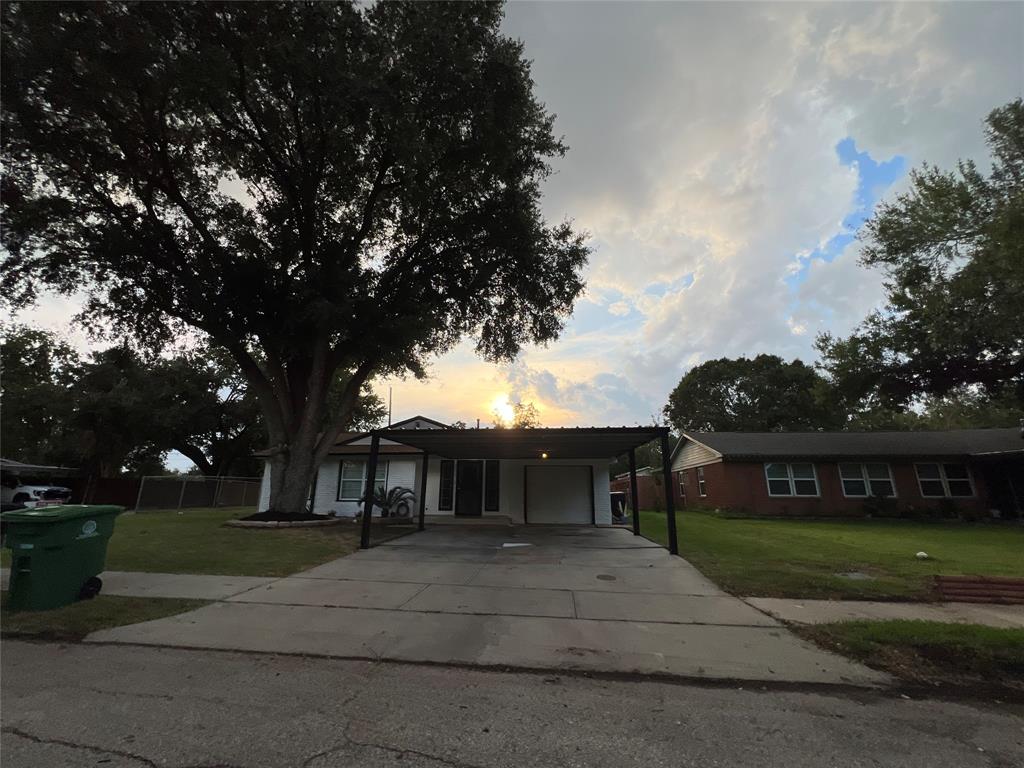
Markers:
(682, 484)
(491, 486)
(863, 480)
(446, 493)
(791, 479)
(352, 479)
(702, 487)
(939, 481)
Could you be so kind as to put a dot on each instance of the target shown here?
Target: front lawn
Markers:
(196, 541)
(802, 558)
(930, 652)
(73, 622)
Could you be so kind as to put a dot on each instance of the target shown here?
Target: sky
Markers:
(721, 158)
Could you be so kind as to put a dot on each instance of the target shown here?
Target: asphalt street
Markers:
(125, 706)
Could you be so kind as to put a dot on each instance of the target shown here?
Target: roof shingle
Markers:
(952, 443)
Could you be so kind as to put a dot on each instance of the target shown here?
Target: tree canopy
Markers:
(38, 373)
(327, 191)
(762, 394)
(952, 249)
(116, 411)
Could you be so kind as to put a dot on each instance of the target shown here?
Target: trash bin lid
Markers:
(59, 514)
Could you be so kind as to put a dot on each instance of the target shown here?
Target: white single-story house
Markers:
(525, 476)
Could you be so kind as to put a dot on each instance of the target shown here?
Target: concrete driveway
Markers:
(584, 598)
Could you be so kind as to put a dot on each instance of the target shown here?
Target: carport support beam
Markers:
(634, 493)
(423, 489)
(670, 498)
(371, 482)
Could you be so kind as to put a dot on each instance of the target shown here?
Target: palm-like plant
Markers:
(394, 502)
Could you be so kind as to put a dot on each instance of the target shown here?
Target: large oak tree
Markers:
(760, 394)
(952, 250)
(325, 190)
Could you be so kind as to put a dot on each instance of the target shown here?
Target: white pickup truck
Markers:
(13, 491)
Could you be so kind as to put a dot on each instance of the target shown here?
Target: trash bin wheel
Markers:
(91, 588)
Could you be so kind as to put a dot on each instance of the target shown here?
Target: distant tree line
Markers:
(119, 411)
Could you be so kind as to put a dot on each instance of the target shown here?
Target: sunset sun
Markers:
(501, 407)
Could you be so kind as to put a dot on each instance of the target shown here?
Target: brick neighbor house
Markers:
(845, 474)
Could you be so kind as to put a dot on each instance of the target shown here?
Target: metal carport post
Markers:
(371, 478)
(633, 492)
(423, 490)
(670, 497)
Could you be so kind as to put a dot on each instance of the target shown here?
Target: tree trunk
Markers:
(291, 478)
(294, 401)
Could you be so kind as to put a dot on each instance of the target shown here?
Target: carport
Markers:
(543, 450)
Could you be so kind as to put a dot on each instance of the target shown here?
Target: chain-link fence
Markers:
(185, 491)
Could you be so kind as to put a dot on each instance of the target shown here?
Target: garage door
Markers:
(559, 495)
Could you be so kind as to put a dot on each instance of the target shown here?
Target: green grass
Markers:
(75, 621)
(196, 541)
(801, 558)
(929, 652)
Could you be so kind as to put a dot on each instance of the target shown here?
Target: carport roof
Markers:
(557, 443)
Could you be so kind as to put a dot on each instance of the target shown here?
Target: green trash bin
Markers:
(57, 553)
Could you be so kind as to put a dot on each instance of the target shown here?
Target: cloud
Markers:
(720, 156)
(703, 157)
(619, 308)
(606, 398)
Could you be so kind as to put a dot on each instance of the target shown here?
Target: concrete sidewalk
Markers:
(587, 599)
(827, 611)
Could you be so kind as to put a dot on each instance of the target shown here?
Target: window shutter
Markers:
(446, 493)
(491, 486)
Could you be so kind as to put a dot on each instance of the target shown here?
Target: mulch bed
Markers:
(277, 520)
(278, 517)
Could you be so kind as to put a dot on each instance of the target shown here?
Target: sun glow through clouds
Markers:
(502, 409)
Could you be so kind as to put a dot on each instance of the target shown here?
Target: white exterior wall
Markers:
(406, 472)
(401, 473)
(264, 503)
(433, 486)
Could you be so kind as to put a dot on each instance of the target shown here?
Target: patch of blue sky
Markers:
(589, 317)
(873, 179)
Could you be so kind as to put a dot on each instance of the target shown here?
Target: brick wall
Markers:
(741, 487)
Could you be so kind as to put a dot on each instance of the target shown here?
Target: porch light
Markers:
(544, 455)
